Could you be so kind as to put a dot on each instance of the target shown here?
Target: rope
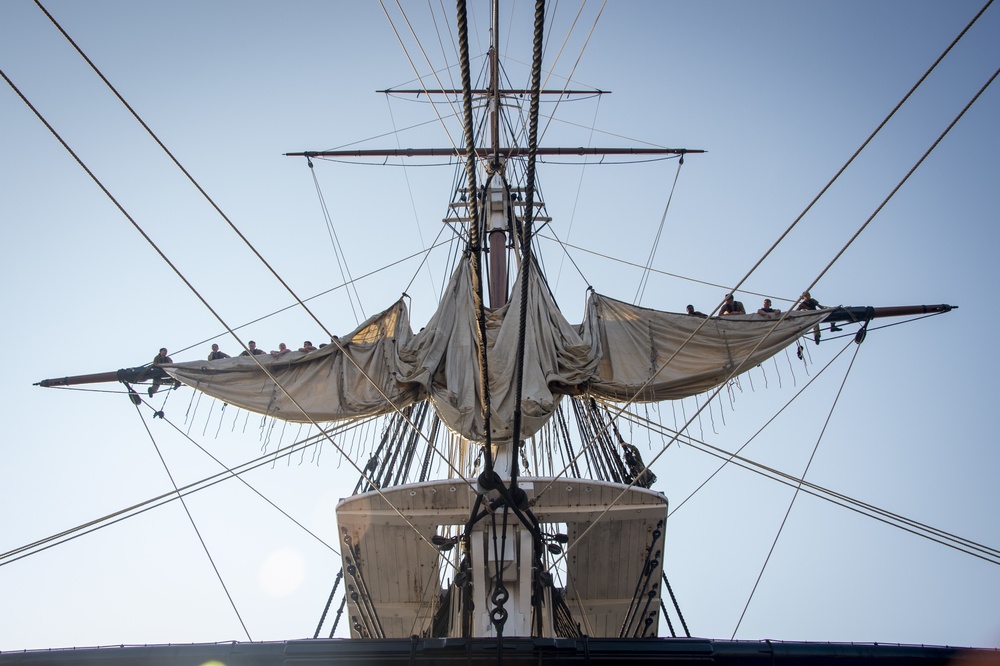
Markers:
(345, 285)
(761, 429)
(338, 252)
(474, 246)
(739, 367)
(194, 525)
(576, 199)
(838, 174)
(413, 65)
(855, 155)
(366, 607)
(677, 607)
(624, 262)
(536, 74)
(329, 601)
(190, 286)
(907, 176)
(659, 232)
(340, 611)
(579, 57)
(961, 544)
(862, 147)
(795, 495)
(642, 584)
(142, 507)
(413, 206)
(666, 616)
(176, 162)
(149, 240)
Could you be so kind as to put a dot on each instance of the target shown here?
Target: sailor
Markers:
(252, 349)
(638, 473)
(810, 303)
(307, 347)
(159, 360)
(694, 313)
(281, 351)
(216, 354)
(767, 310)
(731, 307)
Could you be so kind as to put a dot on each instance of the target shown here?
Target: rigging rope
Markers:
(961, 544)
(338, 252)
(576, 199)
(798, 488)
(474, 248)
(565, 244)
(413, 206)
(739, 368)
(177, 163)
(329, 601)
(622, 409)
(579, 57)
(761, 429)
(187, 510)
(858, 152)
(907, 176)
(526, 262)
(659, 233)
(151, 503)
(369, 274)
(642, 585)
(831, 262)
(677, 607)
(413, 66)
(163, 256)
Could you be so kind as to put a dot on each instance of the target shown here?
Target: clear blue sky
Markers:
(779, 93)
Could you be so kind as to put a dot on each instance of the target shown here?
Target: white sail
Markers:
(648, 356)
(620, 352)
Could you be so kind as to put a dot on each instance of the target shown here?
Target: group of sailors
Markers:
(216, 354)
(252, 350)
(730, 306)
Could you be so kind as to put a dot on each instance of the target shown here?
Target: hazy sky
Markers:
(780, 94)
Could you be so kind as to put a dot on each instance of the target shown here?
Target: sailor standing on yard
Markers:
(731, 307)
(694, 313)
(252, 349)
(216, 354)
(810, 303)
(159, 360)
(767, 310)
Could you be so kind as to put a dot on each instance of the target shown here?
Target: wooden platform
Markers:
(608, 524)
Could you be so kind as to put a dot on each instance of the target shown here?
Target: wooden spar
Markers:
(864, 313)
(512, 151)
(840, 314)
(125, 375)
(484, 91)
(496, 221)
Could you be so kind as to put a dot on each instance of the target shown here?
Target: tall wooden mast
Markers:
(500, 206)
(498, 193)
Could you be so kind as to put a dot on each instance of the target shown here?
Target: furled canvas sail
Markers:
(647, 355)
(620, 352)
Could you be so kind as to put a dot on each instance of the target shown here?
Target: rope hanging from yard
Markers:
(475, 242)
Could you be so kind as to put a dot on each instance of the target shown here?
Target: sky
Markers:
(779, 93)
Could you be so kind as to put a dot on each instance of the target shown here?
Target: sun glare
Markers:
(282, 573)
